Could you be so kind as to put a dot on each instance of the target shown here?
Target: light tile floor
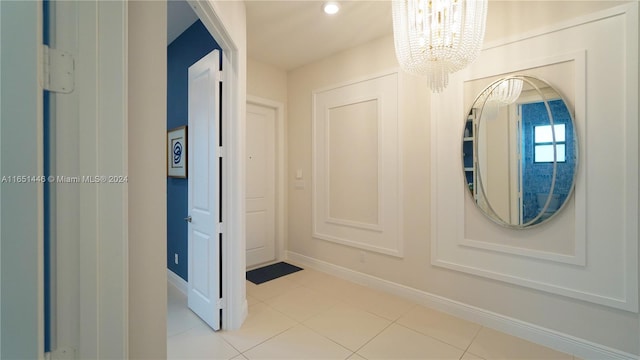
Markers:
(312, 315)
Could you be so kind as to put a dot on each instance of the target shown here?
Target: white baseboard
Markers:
(554, 339)
(245, 311)
(177, 281)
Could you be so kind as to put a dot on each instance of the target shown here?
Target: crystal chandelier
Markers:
(438, 37)
(506, 92)
(500, 94)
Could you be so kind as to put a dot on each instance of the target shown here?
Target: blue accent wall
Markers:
(536, 177)
(188, 48)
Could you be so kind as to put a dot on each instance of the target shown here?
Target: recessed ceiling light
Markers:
(331, 7)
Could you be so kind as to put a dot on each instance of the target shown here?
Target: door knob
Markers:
(188, 218)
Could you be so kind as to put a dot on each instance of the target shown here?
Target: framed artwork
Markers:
(177, 152)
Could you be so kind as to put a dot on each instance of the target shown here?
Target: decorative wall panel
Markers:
(590, 250)
(356, 169)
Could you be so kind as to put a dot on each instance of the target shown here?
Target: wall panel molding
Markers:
(357, 164)
(602, 264)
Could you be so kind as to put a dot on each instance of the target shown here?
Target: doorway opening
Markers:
(208, 26)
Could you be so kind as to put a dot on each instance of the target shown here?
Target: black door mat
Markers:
(270, 272)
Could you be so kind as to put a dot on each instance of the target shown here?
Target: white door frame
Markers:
(233, 170)
(280, 172)
(92, 232)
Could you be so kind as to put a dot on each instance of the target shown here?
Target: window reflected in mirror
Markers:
(543, 140)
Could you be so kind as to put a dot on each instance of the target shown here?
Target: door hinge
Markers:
(220, 151)
(58, 69)
(220, 228)
(220, 303)
(220, 76)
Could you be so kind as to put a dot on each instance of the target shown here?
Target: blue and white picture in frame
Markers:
(177, 152)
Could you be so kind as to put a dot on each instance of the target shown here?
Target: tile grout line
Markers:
(326, 337)
(474, 338)
(262, 342)
(302, 323)
(434, 338)
(314, 331)
(347, 303)
(376, 335)
(464, 351)
(471, 342)
(275, 335)
(344, 302)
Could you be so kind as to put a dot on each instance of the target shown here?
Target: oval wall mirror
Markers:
(519, 151)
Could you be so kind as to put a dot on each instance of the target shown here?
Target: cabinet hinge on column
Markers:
(58, 70)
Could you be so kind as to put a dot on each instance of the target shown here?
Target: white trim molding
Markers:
(590, 250)
(233, 119)
(90, 226)
(372, 218)
(554, 339)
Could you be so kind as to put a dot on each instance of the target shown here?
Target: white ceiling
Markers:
(288, 34)
(291, 33)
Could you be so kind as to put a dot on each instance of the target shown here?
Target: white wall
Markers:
(266, 81)
(511, 17)
(147, 179)
(599, 324)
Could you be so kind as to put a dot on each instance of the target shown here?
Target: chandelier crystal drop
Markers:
(437, 37)
(498, 95)
(506, 92)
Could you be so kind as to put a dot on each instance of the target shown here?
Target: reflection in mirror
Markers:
(519, 151)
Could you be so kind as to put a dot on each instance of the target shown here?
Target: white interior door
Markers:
(260, 205)
(203, 168)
